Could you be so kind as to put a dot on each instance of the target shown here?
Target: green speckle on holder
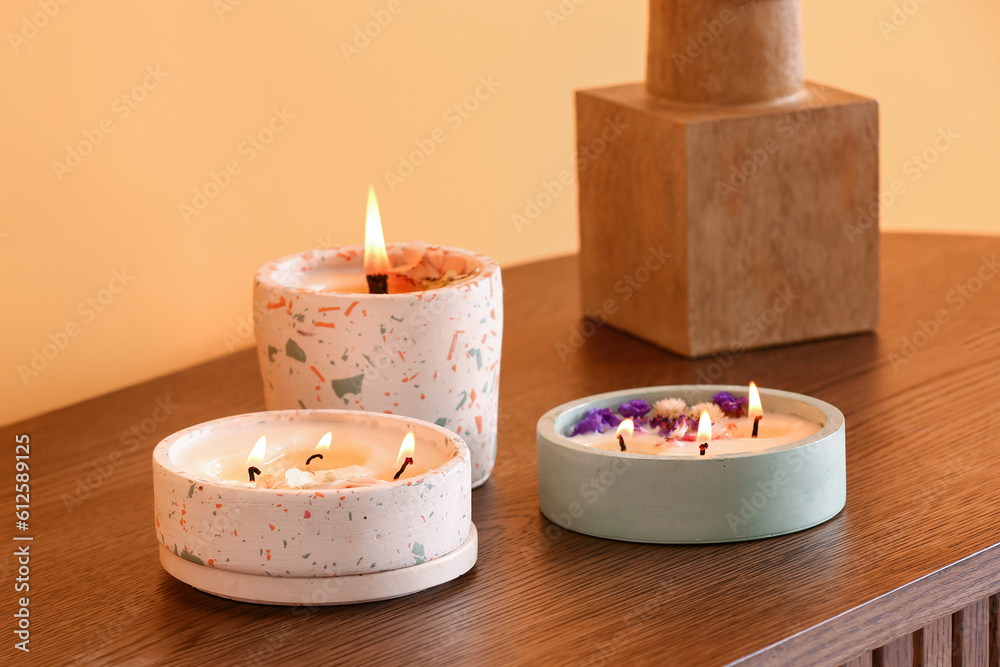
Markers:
(393, 317)
(191, 490)
(477, 353)
(300, 317)
(351, 385)
(186, 555)
(271, 351)
(418, 552)
(465, 397)
(302, 404)
(305, 555)
(441, 421)
(350, 516)
(293, 350)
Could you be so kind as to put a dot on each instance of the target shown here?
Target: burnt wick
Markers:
(253, 470)
(314, 456)
(621, 441)
(408, 461)
(702, 448)
(378, 283)
(756, 423)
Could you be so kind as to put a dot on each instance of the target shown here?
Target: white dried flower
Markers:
(670, 408)
(715, 413)
(298, 478)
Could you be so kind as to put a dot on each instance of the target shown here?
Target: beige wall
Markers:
(101, 248)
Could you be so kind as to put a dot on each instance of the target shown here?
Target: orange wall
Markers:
(102, 263)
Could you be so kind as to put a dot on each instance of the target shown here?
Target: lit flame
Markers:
(324, 443)
(755, 409)
(626, 428)
(257, 453)
(376, 259)
(406, 449)
(704, 427)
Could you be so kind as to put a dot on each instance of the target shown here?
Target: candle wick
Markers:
(378, 283)
(702, 448)
(621, 441)
(756, 423)
(408, 461)
(314, 456)
(253, 470)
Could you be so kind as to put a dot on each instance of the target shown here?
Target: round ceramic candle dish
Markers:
(673, 499)
(432, 355)
(312, 546)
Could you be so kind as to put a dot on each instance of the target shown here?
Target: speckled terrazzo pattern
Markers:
(432, 355)
(311, 532)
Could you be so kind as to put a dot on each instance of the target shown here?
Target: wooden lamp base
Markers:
(709, 227)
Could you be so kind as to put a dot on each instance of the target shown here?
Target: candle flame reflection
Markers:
(257, 453)
(755, 410)
(406, 449)
(626, 428)
(376, 259)
(704, 427)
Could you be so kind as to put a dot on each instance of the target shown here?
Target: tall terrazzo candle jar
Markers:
(429, 349)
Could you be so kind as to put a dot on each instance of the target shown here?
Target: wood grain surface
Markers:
(918, 539)
(724, 52)
(666, 192)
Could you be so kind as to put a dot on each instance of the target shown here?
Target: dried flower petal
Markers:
(298, 478)
(634, 409)
(596, 421)
(670, 428)
(670, 408)
(715, 413)
(729, 404)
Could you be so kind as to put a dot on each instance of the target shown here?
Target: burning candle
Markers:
(236, 538)
(376, 260)
(704, 432)
(692, 470)
(755, 411)
(626, 428)
(429, 348)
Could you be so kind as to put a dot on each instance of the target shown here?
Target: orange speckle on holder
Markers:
(351, 307)
(272, 306)
(318, 374)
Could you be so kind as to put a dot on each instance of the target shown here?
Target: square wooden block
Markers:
(712, 229)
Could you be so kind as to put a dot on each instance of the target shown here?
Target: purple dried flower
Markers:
(634, 409)
(596, 421)
(668, 427)
(732, 406)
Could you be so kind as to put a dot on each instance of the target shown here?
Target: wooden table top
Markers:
(923, 464)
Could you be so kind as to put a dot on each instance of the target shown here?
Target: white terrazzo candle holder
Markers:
(432, 355)
(312, 546)
(692, 499)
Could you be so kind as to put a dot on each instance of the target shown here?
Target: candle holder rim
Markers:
(161, 453)
(265, 275)
(546, 426)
